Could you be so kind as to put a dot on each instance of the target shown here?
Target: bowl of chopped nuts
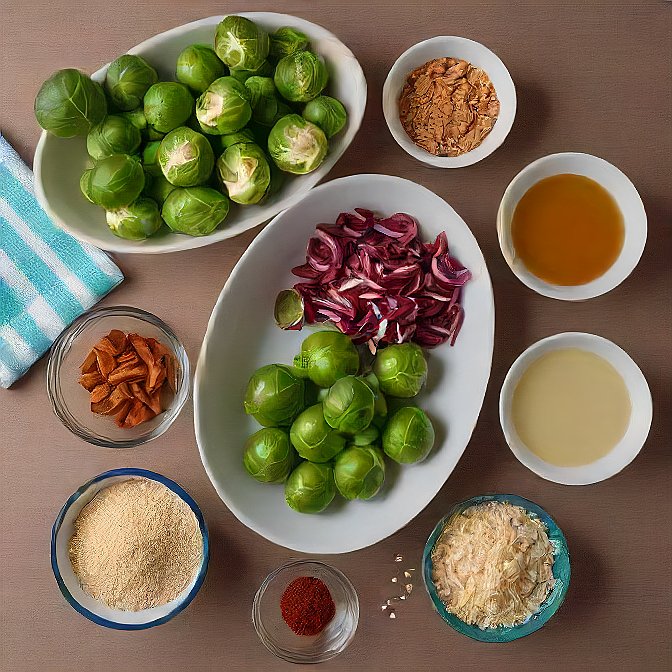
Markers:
(449, 101)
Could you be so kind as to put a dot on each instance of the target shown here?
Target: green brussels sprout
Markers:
(296, 145)
(268, 455)
(313, 438)
(198, 66)
(153, 135)
(186, 157)
(127, 80)
(223, 142)
(196, 211)
(158, 189)
(223, 107)
(310, 488)
(263, 100)
(327, 113)
(244, 171)
(137, 118)
(70, 103)
(401, 369)
(274, 396)
(327, 356)
(301, 76)
(366, 437)
(85, 184)
(116, 181)
(150, 158)
(264, 70)
(408, 435)
(168, 105)
(348, 407)
(359, 472)
(113, 135)
(285, 41)
(240, 43)
(136, 221)
(380, 405)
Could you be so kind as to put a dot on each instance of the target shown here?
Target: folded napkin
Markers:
(47, 278)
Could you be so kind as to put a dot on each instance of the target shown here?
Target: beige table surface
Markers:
(592, 77)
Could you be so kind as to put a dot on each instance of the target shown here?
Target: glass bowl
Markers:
(70, 401)
(561, 573)
(276, 635)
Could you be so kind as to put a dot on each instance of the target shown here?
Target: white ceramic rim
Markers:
(635, 435)
(633, 245)
(391, 111)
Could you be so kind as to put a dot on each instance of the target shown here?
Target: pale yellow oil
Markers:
(571, 407)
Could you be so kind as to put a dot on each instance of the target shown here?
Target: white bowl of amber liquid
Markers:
(575, 408)
(595, 226)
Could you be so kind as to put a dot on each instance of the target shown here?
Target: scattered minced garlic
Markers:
(492, 565)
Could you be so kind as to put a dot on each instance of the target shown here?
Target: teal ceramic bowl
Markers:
(561, 572)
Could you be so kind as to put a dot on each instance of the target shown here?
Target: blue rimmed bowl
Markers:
(561, 573)
(86, 605)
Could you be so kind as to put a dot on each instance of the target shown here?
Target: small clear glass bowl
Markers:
(276, 635)
(71, 402)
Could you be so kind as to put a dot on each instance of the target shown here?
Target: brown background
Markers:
(590, 77)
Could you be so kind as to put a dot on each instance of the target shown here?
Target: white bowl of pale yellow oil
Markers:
(571, 226)
(575, 408)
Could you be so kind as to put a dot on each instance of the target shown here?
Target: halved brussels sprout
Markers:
(296, 145)
(240, 43)
(274, 396)
(85, 184)
(196, 211)
(136, 221)
(150, 158)
(401, 369)
(70, 103)
(359, 472)
(127, 80)
(186, 157)
(116, 181)
(223, 107)
(136, 117)
(327, 113)
(301, 76)
(313, 438)
(327, 356)
(408, 435)
(158, 189)
(244, 171)
(168, 105)
(268, 455)
(198, 66)
(310, 488)
(285, 41)
(264, 70)
(113, 135)
(349, 404)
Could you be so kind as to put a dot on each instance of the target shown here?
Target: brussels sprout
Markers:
(136, 221)
(150, 158)
(240, 43)
(296, 145)
(153, 135)
(70, 103)
(196, 211)
(223, 107)
(198, 66)
(268, 455)
(348, 407)
(380, 405)
(186, 157)
(401, 369)
(113, 135)
(136, 117)
(263, 100)
(285, 41)
(310, 488)
(223, 142)
(366, 437)
(408, 435)
(158, 189)
(116, 181)
(327, 356)
(313, 438)
(274, 396)
(264, 70)
(327, 113)
(85, 184)
(301, 76)
(127, 80)
(244, 171)
(359, 472)
(168, 105)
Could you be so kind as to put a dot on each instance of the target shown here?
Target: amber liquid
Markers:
(567, 230)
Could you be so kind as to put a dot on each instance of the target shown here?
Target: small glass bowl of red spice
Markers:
(118, 377)
(306, 612)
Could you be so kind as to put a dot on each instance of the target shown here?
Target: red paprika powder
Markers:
(307, 605)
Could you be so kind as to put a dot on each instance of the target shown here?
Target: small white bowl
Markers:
(615, 182)
(640, 416)
(456, 47)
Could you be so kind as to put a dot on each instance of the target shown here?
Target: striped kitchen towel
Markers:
(47, 278)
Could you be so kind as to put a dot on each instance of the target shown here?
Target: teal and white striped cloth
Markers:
(47, 278)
